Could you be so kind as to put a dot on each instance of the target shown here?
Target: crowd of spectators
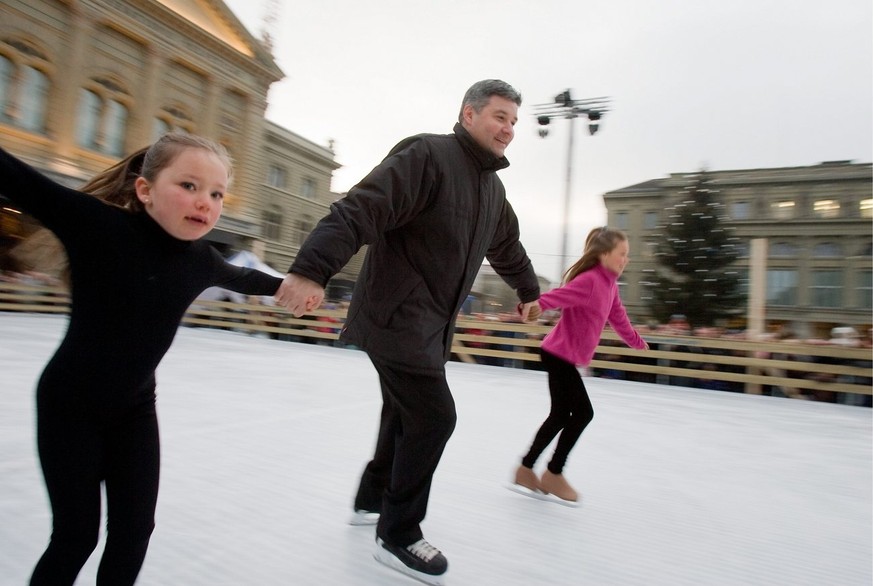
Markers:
(676, 336)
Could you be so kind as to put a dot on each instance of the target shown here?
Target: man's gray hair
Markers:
(480, 93)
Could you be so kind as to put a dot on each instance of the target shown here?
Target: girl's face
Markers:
(616, 259)
(186, 197)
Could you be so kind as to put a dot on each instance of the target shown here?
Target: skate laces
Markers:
(423, 550)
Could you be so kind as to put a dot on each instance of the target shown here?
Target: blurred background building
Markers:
(817, 223)
(83, 83)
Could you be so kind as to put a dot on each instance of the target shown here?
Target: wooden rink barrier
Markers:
(795, 368)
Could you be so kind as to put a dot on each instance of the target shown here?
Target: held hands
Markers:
(529, 311)
(299, 295)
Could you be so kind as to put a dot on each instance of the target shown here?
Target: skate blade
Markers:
(541, 496)
(364, 518)
(389, 561)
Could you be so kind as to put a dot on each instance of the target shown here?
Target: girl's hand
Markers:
(529, 311)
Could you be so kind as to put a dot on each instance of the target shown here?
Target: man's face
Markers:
(494, 126)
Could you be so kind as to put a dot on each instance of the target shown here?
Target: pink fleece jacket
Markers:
(587, 303)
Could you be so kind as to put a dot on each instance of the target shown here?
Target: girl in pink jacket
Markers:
(588, 300)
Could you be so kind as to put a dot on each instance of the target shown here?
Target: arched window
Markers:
(35, 86)
(103, 113)
(116, 123)
(24, 85)
(172, 119)
(88, 118)
(160, 128)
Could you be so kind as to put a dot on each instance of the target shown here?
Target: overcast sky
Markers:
(721, 84)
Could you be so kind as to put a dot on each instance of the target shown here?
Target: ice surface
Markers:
(263, 442)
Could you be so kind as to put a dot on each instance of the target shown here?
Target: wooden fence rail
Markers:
(793, 369)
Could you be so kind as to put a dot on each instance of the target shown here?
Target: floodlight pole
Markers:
(565, 106)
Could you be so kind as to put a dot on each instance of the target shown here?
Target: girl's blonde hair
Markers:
(43, 253)
(599, 241)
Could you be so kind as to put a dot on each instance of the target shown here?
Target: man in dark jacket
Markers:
(430, 213)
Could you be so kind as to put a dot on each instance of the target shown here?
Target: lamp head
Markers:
(563, 98)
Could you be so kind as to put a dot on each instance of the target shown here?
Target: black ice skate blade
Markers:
(541, 496)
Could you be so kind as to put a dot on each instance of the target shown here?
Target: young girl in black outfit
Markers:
(136, 266)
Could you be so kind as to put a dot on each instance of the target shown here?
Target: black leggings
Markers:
(570, 413)
(80, 447)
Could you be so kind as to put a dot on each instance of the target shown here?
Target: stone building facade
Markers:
(85, 82)
(817, 224)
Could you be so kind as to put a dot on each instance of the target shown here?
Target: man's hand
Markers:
(299, 295)
(530, 311)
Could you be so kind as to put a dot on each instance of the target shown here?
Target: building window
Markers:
(740, 210)
(782, 210)
(781, 287)
(620, 220)
(307, 189)
(102, 119)
(272, 225)
(160, 127)
(866, 208)
(826, 289)
(826, 208)
(783, 250)
(865, 289)
(24, 85)
(116, 124)
(650, 220)
(35, 87)
(867, 249)
(305, 224)
(172, 119)
(276, 177)
(5, 84)
(88, 118)
(827, 250)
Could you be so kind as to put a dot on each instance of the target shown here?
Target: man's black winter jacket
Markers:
(431, 212)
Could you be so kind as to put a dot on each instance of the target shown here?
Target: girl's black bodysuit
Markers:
(96, 420)
(131, 285)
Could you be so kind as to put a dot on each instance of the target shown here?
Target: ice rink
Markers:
(263, 442)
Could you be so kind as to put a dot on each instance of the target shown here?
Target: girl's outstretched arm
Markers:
(54, 205)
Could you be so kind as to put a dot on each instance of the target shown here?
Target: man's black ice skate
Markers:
(420, 560)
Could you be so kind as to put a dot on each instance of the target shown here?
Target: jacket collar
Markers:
(483, 157)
